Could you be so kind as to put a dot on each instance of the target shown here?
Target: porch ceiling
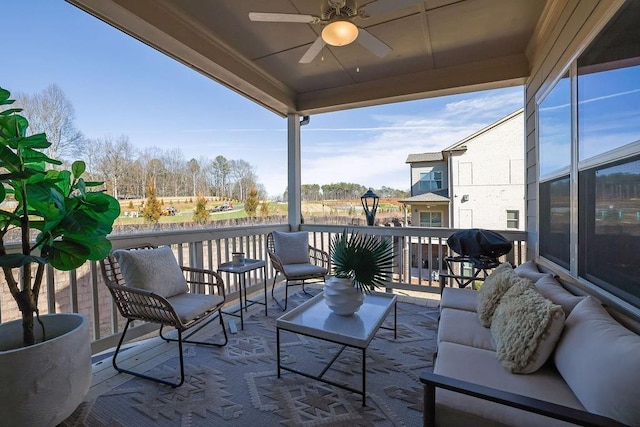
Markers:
(440, 47)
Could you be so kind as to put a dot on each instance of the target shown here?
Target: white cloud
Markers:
(375, 156)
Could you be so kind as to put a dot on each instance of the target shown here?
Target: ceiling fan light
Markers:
(339, 33)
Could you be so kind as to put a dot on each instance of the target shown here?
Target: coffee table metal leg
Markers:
(364, 376)
(395, 320)
(278, 349)
(265, 288)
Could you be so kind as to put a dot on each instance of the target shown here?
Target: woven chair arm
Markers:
(202, 279)
(275, 261)
(140, 304)
(318, 257)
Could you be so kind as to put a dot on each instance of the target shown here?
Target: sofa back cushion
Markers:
(551, 289)
(530, 270)
(154, 270)
(494, 286)
(525, 327)
(599, 360)
(292, 248)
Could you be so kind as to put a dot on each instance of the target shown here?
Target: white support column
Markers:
(294, 182)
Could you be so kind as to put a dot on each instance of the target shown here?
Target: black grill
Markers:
(480, 247)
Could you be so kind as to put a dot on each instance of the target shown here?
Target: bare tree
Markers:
(115, 158)
(194, 170)
(220, 170)
(51, 112)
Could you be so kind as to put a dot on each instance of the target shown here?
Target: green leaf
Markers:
(93, 183)
(38, 140)
(77, 168)
(66, 254)
(10, 160)
(10, 110)
(4, 97)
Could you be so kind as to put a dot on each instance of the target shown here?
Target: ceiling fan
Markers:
(338, 29)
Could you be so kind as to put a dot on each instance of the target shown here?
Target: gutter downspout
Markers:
(450, 188)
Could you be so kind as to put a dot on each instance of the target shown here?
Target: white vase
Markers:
(342, 297)
(44, 383)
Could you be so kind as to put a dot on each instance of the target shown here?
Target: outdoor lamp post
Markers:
(370, 205)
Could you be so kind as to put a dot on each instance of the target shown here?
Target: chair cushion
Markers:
(292, 248)
(526, 327)
(494, 286)
(301, 270)
(190, 306)
(551, 289)
(530, 270)
(154, 270)
(598, 358)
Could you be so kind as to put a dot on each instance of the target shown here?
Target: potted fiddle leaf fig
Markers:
(360, 263)
(57, 221)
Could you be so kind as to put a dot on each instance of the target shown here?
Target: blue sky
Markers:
(119, 86)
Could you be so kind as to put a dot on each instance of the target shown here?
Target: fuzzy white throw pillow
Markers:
(493, 288)
(525, 327)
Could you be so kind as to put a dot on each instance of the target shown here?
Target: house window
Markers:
(590, 223)
(555, 220)
(430, 181)
(513, 219)
(430, 219)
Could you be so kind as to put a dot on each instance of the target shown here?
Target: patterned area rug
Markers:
(237, 385)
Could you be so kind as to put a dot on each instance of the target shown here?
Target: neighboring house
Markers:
(475, 183)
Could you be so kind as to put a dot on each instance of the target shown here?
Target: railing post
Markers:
(196, 255)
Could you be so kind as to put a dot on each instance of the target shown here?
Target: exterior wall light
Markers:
(370, 202)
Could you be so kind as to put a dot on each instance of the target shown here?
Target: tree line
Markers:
(127, 172)
(343, 191)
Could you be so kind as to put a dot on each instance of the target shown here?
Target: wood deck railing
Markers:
(419, 252)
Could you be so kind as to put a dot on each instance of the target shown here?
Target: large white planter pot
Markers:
(342, 297)
(43, 384)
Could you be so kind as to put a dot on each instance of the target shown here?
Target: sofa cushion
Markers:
(292, 248)
(530, 271)
(154, 270)
(494, 286)
(481, 367)
(459, 298)
(526, 327)
(599, 360)
(463, 327)
(551, 289)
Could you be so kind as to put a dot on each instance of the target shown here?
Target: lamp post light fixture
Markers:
(370, 205)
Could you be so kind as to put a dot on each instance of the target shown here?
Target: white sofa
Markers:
(590, 377)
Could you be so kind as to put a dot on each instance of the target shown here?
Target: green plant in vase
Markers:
(360, 263)
(72, 222)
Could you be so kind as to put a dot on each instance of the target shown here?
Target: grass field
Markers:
(186, 205)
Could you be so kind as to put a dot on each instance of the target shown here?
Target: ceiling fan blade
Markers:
(383, 6)
(283, 17)
(374, 44)
(313, 51)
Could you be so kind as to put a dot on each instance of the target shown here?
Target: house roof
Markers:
(425, 157)
(460, 145)
(436, 196)
(438, 48)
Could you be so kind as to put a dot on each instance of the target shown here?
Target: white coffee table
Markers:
(314, 319)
